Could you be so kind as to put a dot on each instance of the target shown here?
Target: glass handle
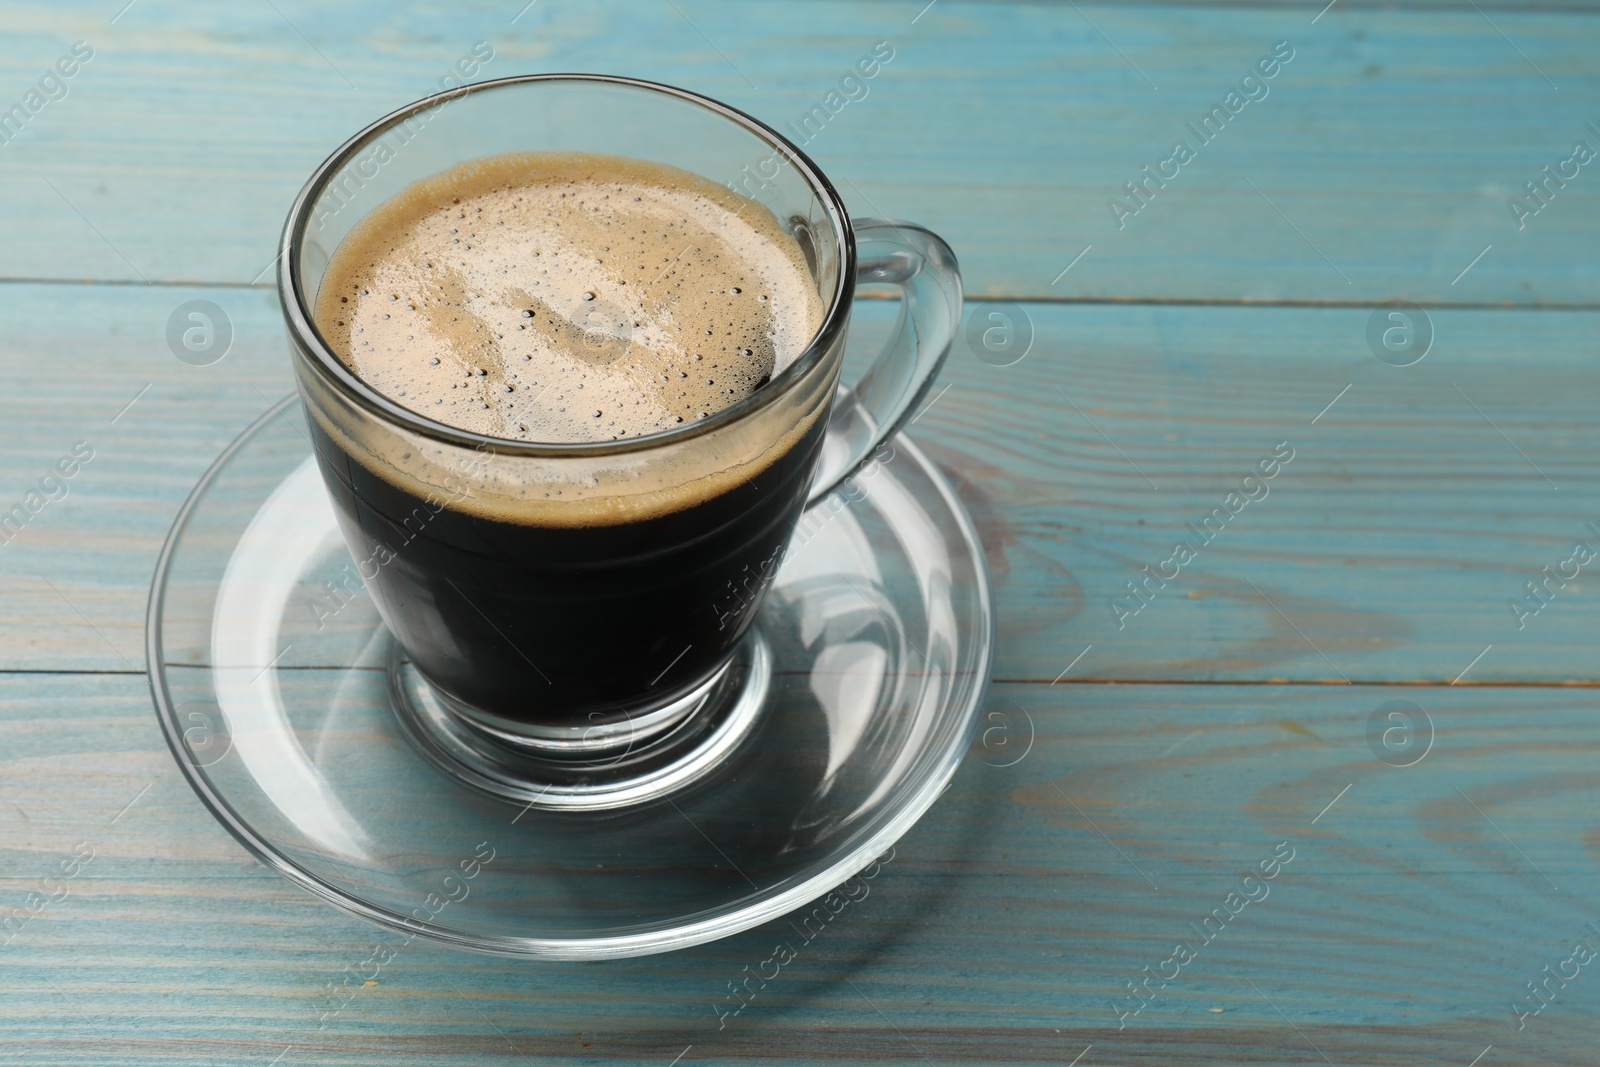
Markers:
(873, 410)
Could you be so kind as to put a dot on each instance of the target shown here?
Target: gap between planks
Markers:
(1414, 683)
(1260, 682)
(1510, 7)
(969, 298)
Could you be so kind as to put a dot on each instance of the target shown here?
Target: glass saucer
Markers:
(271, 673)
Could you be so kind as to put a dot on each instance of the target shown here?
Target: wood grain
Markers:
(1003, 930)
(1379, 165)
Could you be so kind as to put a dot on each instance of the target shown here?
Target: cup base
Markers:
(704, 728)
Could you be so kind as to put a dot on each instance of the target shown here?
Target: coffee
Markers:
(557, 298)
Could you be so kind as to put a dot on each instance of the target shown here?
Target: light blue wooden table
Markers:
(1220, 316)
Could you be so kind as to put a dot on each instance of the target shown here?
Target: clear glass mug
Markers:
(563, 649)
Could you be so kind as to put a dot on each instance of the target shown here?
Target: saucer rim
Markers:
(670, 935)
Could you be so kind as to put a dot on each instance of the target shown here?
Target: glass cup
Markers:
(543, 652)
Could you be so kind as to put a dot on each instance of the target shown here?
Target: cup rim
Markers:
(291, 293)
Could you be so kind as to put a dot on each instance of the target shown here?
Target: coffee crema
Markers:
(566, 297)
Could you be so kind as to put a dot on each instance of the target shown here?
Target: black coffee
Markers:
(553, 298)
(569, 625)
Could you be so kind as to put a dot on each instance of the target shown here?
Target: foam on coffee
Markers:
(567, 297)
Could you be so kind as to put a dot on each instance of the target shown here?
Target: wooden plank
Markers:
(1418, 903)
(1379, 165)
(1391, 544)
(1419, 503)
